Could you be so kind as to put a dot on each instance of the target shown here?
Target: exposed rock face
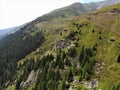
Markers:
(31, 79)
(99, 67)
(93, 84)
(63, 44)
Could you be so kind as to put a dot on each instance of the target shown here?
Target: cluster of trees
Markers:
(54, 76)
(51, 75)
(48, 75)
(87, 63)
(27, 67)
(84, 67)
(13, 48)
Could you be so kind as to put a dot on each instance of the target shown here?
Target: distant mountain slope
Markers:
(8, 31)
(4, 32)
(69, 11)
(106, 3)
(76, 9)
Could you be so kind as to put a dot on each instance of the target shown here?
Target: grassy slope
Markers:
(51, 30)
(109, 25)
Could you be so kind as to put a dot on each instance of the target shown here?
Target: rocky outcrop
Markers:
(31, 79)
(63, 43)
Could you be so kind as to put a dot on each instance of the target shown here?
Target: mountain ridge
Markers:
(78, 9)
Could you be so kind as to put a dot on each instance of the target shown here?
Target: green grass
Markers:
(11, 87)
(31, 87)
(107, 51)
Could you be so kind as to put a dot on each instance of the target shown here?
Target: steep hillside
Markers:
(59, 51)
(75, 54)
(104, 34)
(21, 43)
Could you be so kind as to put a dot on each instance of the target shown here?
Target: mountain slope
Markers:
(19, 44)
(106, 3)
(76, 9)
(82, 53)
(65, 48)
(106, 35)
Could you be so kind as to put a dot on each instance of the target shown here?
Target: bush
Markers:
(118, 59)
(116, 86)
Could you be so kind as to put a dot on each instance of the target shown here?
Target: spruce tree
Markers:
(118, 59)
